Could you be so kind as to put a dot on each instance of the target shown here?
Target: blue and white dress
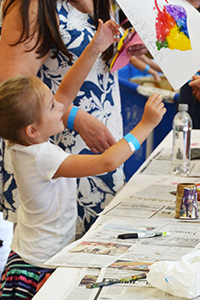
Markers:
(99, 96)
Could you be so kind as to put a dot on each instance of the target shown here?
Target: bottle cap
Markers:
(183, 107)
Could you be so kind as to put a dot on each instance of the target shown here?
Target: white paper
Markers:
(78, 289)
(178, 66)
(103, 248)
(163, 167)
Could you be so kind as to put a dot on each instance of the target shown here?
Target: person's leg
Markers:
(21, 280)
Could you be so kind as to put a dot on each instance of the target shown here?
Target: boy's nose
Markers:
(61, 106)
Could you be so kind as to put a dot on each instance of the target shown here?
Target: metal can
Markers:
(186, 201)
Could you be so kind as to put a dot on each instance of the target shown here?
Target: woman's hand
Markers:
(137, 50)
(195, 85)
(195, 3)
(94, 133)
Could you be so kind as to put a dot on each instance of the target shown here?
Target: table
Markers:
(60, 283)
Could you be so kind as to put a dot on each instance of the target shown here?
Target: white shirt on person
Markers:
(48, 210)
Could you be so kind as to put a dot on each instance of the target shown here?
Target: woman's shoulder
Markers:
(17, 59)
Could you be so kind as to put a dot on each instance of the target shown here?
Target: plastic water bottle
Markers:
(181, 151)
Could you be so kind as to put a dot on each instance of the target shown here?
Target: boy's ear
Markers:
(32, 131)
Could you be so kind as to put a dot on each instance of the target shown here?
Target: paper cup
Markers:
(186, 201)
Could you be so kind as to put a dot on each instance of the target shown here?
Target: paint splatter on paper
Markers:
(171, 27)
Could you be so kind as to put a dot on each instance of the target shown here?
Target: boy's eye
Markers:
(53, 105)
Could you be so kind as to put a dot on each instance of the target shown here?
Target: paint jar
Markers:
(186, 201)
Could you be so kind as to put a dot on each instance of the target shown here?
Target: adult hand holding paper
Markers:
(123, 56)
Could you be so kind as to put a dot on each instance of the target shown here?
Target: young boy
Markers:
(45, 174)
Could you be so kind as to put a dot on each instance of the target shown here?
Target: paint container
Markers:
(186, 201)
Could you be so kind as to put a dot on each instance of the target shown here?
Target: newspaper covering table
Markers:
(145, 204)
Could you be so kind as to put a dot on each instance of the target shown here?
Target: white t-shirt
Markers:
(48, 210)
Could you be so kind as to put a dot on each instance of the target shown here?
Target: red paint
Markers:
(164, 22)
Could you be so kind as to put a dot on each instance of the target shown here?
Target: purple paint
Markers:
(177, 12)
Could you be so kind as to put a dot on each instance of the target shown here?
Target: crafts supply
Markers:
(186, 201)
(122, 57)
(136, 235)
(122, 280)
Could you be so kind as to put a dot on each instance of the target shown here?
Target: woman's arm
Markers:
(15, 60)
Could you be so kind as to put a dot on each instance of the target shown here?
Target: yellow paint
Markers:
(120, 44)
(178, 40)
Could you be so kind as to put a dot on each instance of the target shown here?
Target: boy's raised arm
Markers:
(88, 165)
(106, 35)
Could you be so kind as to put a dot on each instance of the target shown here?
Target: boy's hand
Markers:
(153, 111)
(107, 34)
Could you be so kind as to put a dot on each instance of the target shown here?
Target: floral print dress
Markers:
(99, 96)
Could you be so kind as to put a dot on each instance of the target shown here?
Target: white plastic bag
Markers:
(181, 278)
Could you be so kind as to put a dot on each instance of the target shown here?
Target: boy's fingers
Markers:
(155, 97)
(158, 100)
(100, 22)
(161, 106)
(100, 25)
(163, 110)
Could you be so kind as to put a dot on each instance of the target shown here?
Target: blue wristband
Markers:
(132, 141)
(146, 69)
(71, 117)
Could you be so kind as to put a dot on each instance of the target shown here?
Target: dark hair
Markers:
(47, 25)
(21, 99)
(124, 22)
(102, 11)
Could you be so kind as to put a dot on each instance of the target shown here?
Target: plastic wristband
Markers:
(71, 117)
(146, 69)
(132, 141)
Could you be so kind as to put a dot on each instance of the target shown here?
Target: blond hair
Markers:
(20, 105)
